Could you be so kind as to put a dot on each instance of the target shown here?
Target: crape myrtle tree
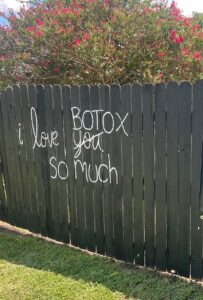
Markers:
(100, 42)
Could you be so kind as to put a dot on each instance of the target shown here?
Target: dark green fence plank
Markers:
(87, 158)
(62, 177)
(148, 143)
(3, 205)
(14, 129)
(78, 161)
(137, 140)
(11, 196)
(97, 161)
(23, 174)
(160, 175)
(30, 200)
(116, 161)
(12, 158)
(196, 181)
(126, 97)
(20, 219)
(172, 175)
(184, 178)
(3, 169)
(41, 154)
(36, 97)
(52, 210)
(9, 109)
(21, 102)
(68, 131)
(36, 180)
(29, 142)
(105, 105)
(3, 172)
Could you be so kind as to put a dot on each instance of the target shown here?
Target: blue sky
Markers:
(187, 6)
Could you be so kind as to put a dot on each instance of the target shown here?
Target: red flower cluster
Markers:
(185, 52)
(4, 57)
(196, 27)
(34, 30)
(161, 54)
(197, 55)
(56, 70)
(176, 11)
(178, 39)
(86, 37)
(187, 21)
(39, 22)
(77, 42)
(67, 10)
(31, 29)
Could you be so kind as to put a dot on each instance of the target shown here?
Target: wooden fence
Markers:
(116, 170)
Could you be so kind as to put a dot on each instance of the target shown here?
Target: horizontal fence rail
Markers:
(113, 169)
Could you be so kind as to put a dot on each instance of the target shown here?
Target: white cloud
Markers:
(5, 4)
(188, 6)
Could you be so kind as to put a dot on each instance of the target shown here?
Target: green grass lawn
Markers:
(31, 268)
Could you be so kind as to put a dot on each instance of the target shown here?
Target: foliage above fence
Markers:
(100, 42)
(116, 170)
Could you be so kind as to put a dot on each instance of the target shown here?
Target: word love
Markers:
(89, 120)
(42, 139)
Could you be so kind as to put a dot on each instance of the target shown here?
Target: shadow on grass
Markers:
(73, 263)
